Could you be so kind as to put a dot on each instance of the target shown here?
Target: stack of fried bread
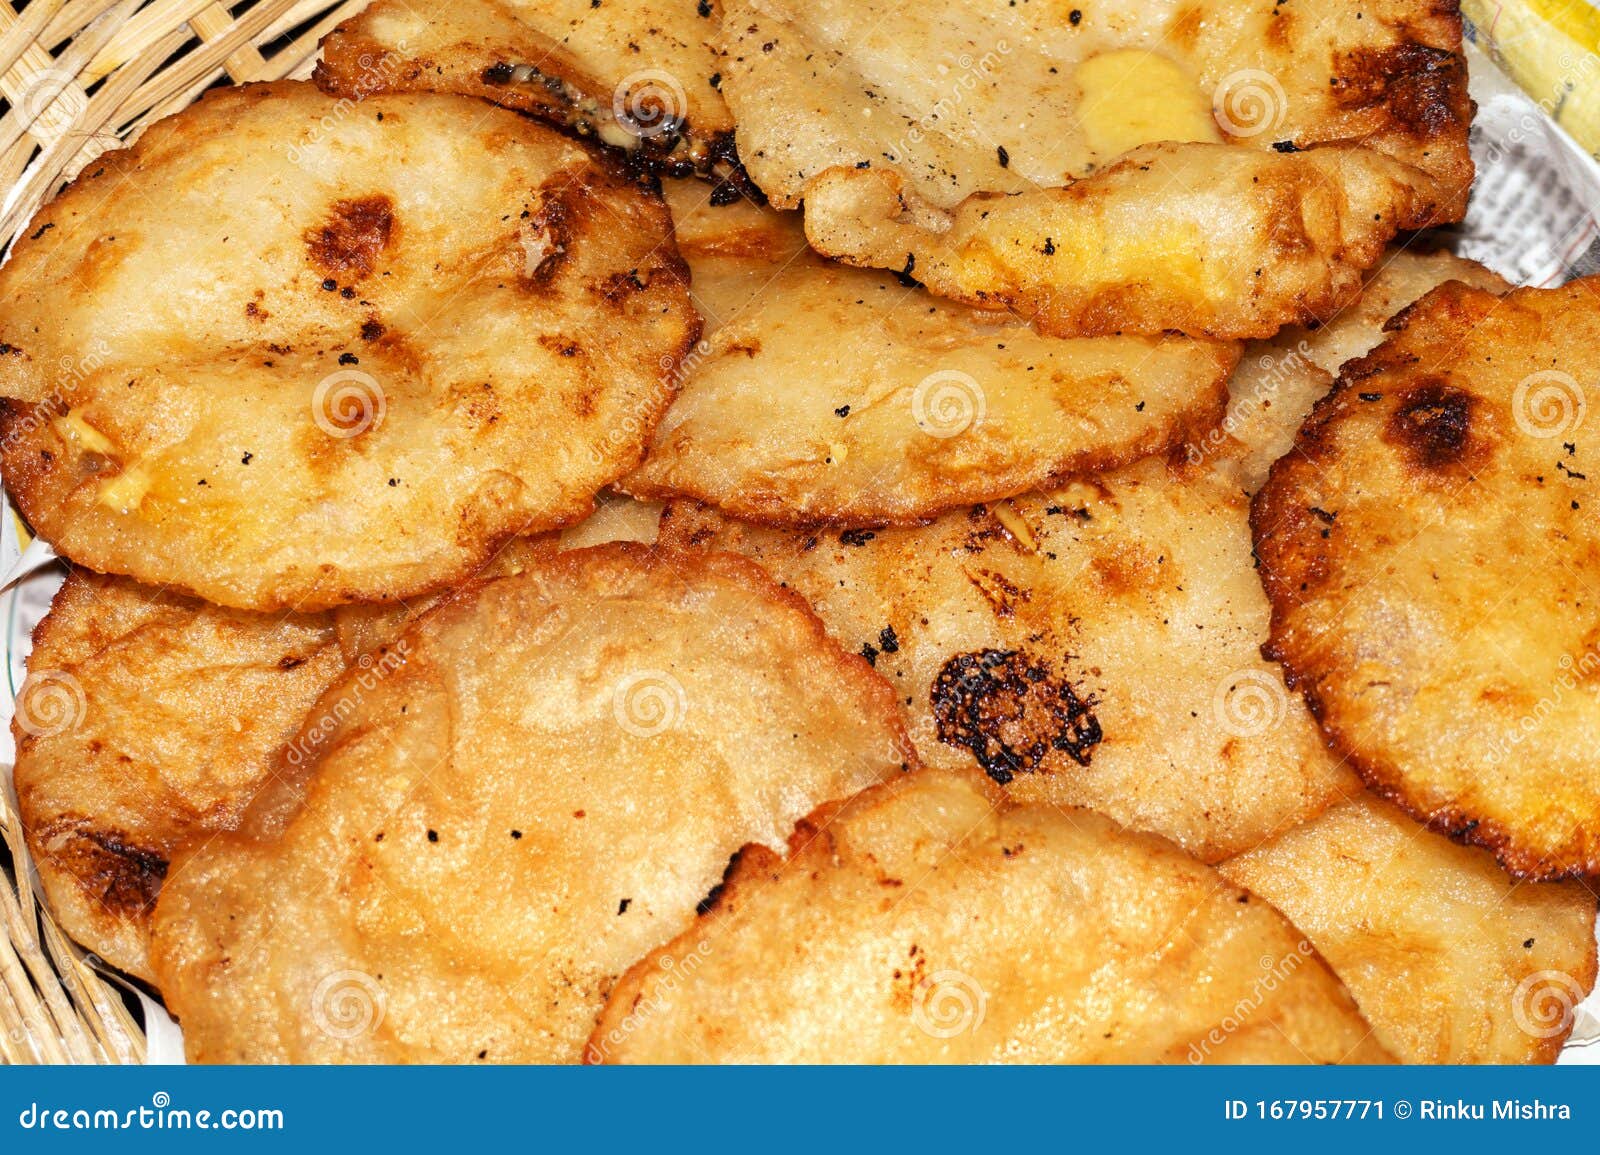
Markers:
(667, 531)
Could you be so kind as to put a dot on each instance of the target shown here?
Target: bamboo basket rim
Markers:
(77, 78)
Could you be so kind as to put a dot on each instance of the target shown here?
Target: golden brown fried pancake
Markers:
(153, 719)
(1430, 552)
(827, 395)
(1095, 646)
(1450, 960)
(476, 846)
(324, 353)
(928, 922)
(1221, 169)
(638, 75)
(1278, 381)
(149, 720)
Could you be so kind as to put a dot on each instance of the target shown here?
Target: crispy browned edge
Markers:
(753, 862)
(1548, 1050)
(1171, 436)
(746, 869)
(1286, 541)
(124, 869)
(340, 72)
(873, 690)
(1419, 88)
(126, 877)
(22, 468)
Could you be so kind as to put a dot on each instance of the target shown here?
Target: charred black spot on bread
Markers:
(618, 287)
(122, 875)
(1011, 712)
(547, 235)
(1433, 425)
(709, 903)
(1422, 88)
(357, 230)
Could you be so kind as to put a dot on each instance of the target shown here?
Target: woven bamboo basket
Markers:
(79, 77)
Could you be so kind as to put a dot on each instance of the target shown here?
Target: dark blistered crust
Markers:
(561, 95)
(751, 867)
(113, 878)
(347, 244)
(1412, 99)
(113, 871)
(1010, 710)
(1431, 427)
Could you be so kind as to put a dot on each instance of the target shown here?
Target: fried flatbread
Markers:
(1429, 549)
(148, 720)
(153, 719)
(821, 394)
(284, 353)
(1450, 960)
(541, 793)
(1278, 381)
(1095, 646)
(637, 75)
(1220, 168)
(928, 922)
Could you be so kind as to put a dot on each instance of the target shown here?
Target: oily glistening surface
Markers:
(732, 530)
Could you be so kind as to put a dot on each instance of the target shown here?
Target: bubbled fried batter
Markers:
(929, 922)
(1429, 550)
(322, 353)
(148, 721)
(910, 406)
(473, 846)
(1220, 168)
(1451, 960)
(1097, 645)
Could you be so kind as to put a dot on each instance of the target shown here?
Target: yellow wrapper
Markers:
(1551, 48)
